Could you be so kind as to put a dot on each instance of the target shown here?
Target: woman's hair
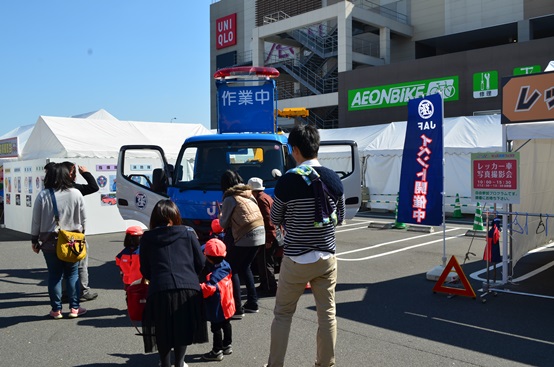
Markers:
(50, 175)
(71, 168)
(306, 139)
(63, 177)
(165, 212)
(229, 179)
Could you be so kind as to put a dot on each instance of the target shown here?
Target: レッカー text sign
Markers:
(528, 98)
(495, 177)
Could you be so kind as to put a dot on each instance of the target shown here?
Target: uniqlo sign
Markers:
(226, 31)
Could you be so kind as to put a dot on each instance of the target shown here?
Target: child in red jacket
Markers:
(218, 293)
(128, 259)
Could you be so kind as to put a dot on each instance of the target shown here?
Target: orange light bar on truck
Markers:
(246, 71)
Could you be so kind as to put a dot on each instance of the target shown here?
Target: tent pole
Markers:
(505, 236)
(443, 190)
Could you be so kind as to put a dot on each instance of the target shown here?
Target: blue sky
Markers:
(140, 60)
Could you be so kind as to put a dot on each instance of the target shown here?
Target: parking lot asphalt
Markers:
(388, 314)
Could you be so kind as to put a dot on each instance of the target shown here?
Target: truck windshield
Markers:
(201, 165)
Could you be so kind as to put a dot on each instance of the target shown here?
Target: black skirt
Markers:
(174, 318)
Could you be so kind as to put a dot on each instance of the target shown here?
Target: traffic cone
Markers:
(478, 220)
(457, 208)
(397, 224)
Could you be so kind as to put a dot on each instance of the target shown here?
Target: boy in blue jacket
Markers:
(218, 293)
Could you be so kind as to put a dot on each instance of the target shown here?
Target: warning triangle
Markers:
(467, 290)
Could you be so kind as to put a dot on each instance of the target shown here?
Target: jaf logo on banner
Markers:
(421, 178)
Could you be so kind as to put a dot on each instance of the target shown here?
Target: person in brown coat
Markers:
(267, 257)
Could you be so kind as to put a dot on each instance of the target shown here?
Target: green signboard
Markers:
(524, 70)
(394, 95)
(485, 84)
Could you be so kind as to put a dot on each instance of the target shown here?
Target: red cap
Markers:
(215, 247)
(134, 231)
(216, 227)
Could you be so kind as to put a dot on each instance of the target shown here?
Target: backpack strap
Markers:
(56, 213)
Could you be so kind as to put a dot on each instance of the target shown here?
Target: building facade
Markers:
(356, 63)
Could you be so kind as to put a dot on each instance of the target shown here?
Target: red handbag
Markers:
(137, 292)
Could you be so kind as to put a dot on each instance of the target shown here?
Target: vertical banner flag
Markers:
(421, 178)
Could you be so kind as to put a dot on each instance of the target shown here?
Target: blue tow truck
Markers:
(247, 142)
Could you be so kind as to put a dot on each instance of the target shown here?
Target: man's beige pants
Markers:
(293, 277)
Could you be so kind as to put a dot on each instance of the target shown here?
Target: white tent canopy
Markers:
(381, 148)
(101, 114)
(535, 143)
(22, 134)
(67, 137)
(96, 142)
(92, 140)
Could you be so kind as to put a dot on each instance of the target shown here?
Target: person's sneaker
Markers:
(250, 307)
(227, 350)
(213, 356)
(238, 316)
(76, 312)
(56, 314)
(89, 296)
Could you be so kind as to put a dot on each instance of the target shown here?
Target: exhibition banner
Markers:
(422, 178)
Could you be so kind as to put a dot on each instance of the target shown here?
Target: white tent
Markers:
(381, 147)
(66, 137)
(92, 142)
(535, 142)
(22, 134)
(101, 114)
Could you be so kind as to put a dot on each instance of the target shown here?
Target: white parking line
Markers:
(477, 327)
(396, 241)
(399, 250)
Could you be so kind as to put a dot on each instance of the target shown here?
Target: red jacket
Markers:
(129, 265)
(218, 293)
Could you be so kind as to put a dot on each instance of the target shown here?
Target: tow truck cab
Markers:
(193, 179)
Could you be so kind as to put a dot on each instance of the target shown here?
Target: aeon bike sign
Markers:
(226, 31)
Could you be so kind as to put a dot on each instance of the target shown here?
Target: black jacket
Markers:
(171, 258)
(90, 187)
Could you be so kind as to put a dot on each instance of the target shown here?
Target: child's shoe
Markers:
(239, 314)
(56, 314)
(213, 356)
(76, 312)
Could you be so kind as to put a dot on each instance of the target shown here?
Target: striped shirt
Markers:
(294, 207)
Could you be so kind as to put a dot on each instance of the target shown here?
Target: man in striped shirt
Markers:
(309, 202)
